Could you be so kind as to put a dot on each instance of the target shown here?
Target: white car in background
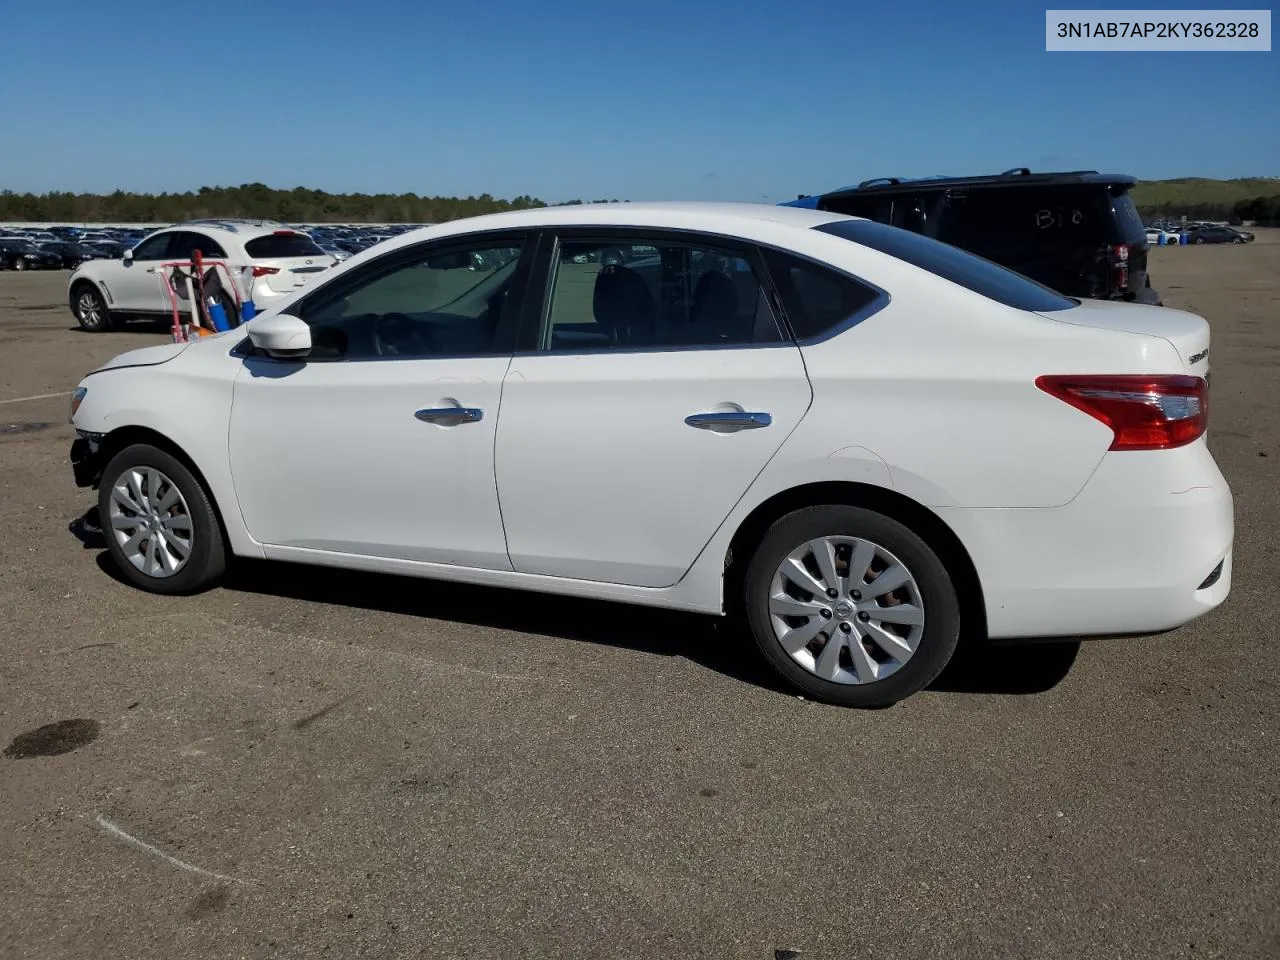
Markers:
(271, 261)
(861, 439)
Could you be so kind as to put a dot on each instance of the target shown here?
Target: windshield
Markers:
(951, 263)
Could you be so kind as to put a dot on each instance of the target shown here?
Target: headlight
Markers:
(76, 399)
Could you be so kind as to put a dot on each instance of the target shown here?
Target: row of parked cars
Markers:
(61, 248)
(1168, 233)
(66, 247)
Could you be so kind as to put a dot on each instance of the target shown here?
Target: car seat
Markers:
(624, 306)
(714, 315)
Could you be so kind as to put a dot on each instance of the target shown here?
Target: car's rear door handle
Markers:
(450, 416)
(729, 421)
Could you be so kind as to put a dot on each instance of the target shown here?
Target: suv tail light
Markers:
(1120, 265)
(265, 271)
(1145, 412)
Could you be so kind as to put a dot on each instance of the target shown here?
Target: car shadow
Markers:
(715, 643)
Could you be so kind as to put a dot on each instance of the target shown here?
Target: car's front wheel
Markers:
(19, 264)
(851, 606)
(161, 528)
(90, 309)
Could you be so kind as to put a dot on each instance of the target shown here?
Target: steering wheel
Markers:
(399, 335)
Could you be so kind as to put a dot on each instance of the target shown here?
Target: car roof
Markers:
(1017, 177)
(727, 218)
(242, 227)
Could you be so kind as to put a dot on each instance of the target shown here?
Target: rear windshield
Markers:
(951, 263)
(1128, 220)
(276, 246)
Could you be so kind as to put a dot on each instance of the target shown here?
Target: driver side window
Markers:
(443, 301)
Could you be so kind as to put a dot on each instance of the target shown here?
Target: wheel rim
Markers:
(88, 308)
(846, 609)
(19, 265)
(150, 522)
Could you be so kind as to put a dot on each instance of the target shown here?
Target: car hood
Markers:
(1188, 333)
(144, 357)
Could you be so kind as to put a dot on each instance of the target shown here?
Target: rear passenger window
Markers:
(816, 299)
(209, 248)
(640, 294)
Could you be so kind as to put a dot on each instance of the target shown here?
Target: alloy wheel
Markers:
(150, 521)
(846, 610)
(88, 310)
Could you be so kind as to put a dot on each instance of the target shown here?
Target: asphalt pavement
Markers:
(306, 763)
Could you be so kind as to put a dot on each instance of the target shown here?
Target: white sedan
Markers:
(867, 442)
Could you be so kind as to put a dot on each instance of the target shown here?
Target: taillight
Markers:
(1145, 412)
(1120, 265)
(265, 271)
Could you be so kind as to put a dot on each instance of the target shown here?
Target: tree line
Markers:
(1262, 210)
(254, 201)
(1194, 199)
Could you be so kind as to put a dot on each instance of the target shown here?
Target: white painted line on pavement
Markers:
(112, 829)
(40, 396)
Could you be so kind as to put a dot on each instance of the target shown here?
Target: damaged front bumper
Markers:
(86, 463)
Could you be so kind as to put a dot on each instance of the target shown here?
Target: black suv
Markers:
(1077, 232)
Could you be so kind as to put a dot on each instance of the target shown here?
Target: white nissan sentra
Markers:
(864, 441)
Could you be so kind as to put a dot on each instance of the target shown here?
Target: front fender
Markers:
(189, 410)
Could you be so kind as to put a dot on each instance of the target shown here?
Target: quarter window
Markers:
(640, 294)
(454, 302)
(816, 299)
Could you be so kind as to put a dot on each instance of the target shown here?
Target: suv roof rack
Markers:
(231, 223)
(1014, 175)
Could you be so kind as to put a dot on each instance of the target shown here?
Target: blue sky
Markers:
(647, 99)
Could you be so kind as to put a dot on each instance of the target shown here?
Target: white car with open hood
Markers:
(866, 442)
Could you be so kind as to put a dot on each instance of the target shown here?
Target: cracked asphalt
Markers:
(305, 762)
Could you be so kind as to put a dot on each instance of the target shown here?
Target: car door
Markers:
(380, 443)
(135, 286)
(649, 391)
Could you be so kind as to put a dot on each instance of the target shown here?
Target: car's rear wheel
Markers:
(851, 606)
(160, 525)
(90, 309)
(1199, 239)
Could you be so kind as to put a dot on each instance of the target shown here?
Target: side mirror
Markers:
(281, 336)
(127, 256)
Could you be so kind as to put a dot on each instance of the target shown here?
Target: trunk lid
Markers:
(1188, 333)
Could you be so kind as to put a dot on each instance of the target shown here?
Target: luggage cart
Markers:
(198, 283)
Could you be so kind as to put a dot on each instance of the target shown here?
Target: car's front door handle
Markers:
(729, 421)
(450, 416)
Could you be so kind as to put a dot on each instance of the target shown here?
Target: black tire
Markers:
(941, 629)
(19, 264)
(1199, 240)
(94, 320)
(206, 559)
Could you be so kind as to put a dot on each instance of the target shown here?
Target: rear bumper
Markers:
(1145, 547)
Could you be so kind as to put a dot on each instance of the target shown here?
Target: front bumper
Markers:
(86, 464)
